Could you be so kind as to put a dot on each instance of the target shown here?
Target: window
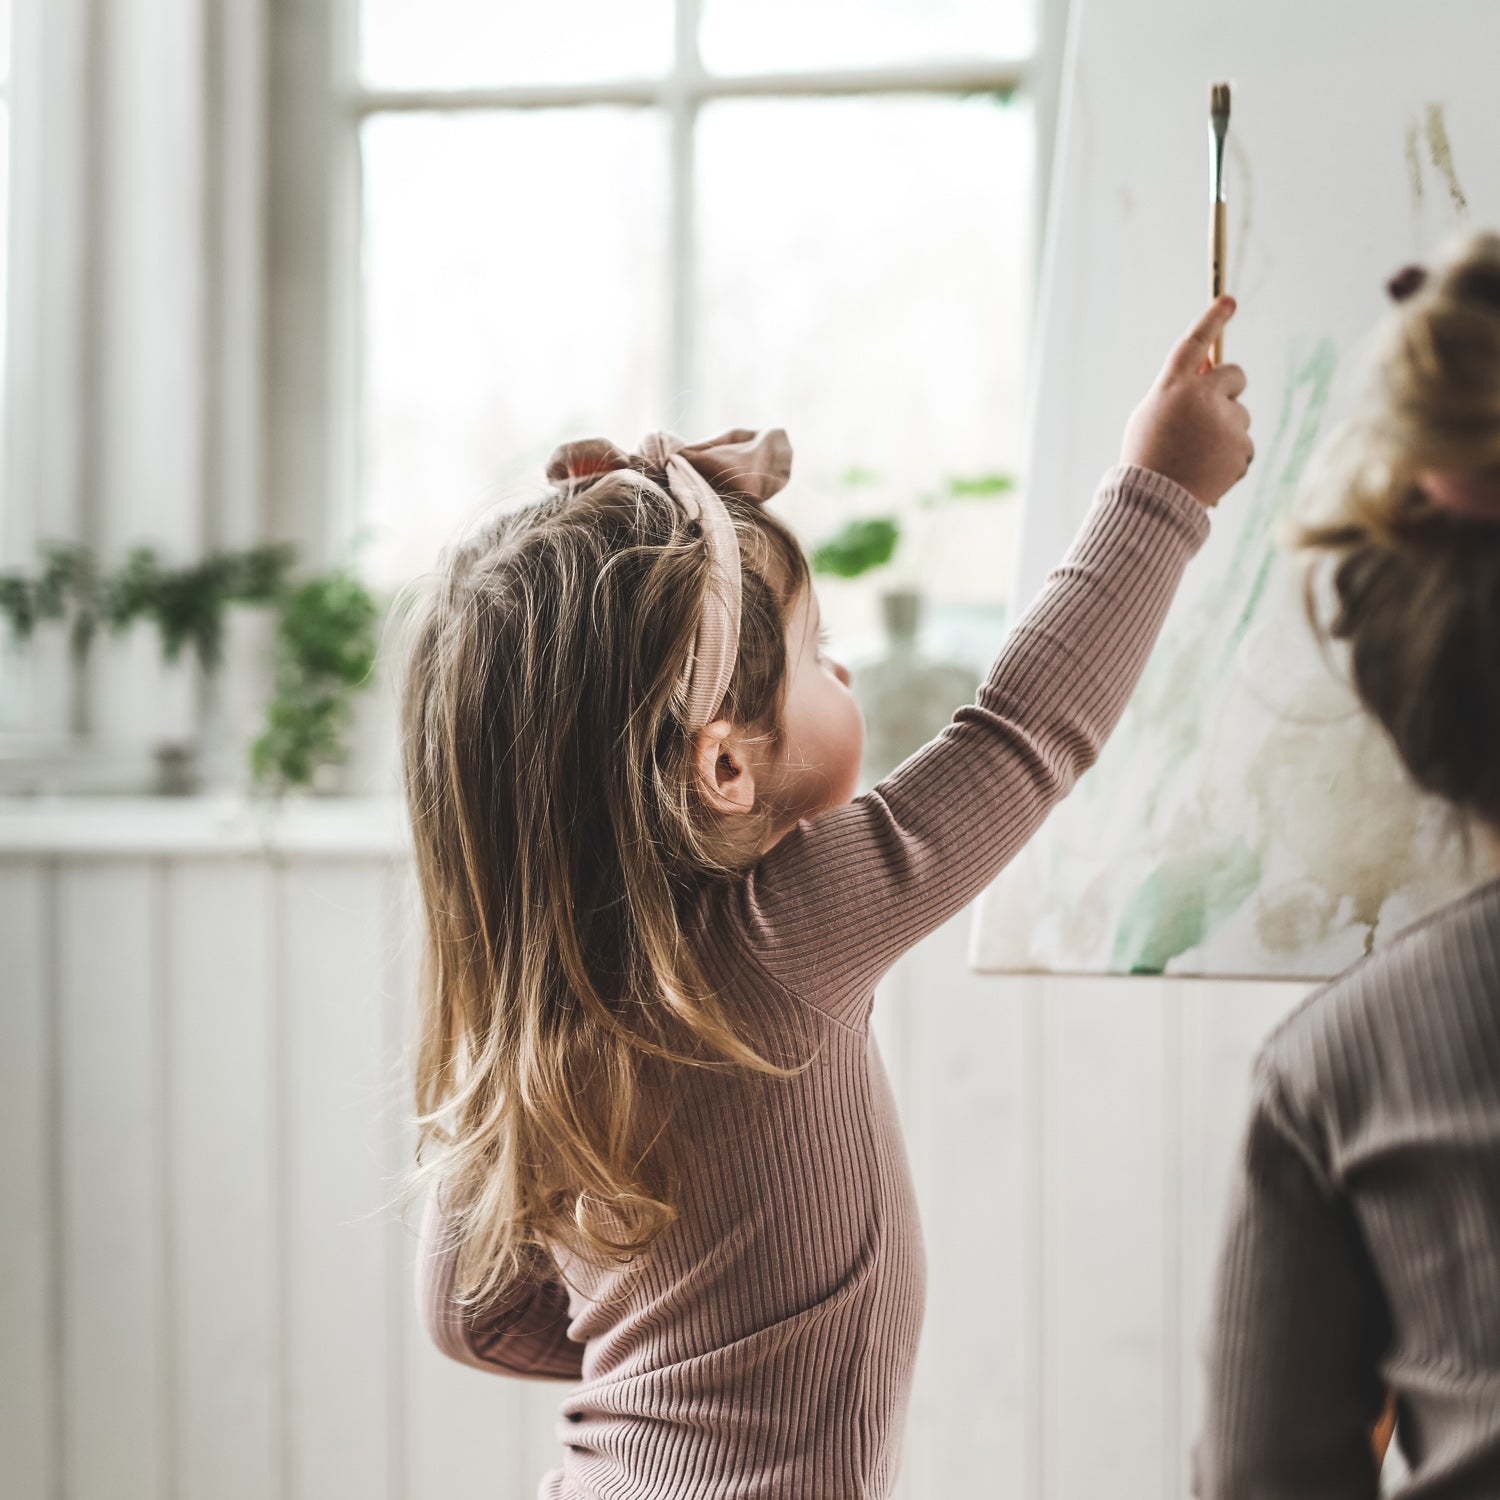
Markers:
(606, 215)
(4, 189)
(11, 678)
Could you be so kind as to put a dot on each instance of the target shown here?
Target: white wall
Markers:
(204, 1288)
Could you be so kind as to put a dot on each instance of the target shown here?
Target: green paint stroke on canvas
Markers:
(1414, 166)
(1183, 901)
(1256, 554)
(1180, 904)
(1304, 399)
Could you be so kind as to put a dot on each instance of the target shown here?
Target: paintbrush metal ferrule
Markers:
(1218, 129)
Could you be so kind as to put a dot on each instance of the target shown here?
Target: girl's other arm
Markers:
(524, 1333)
(837, 900)
(1293, 1389)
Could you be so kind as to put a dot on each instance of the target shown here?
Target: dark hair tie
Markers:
(1406, 283)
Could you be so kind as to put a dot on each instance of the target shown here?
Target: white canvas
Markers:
(1245, 819)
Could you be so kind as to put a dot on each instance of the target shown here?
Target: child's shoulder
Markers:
(1432, 992)
(768, 961)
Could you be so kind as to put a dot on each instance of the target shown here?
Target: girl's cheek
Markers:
(856, 723)
(854, 744)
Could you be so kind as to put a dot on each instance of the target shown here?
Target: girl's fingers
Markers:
(1228, 380)
(1190, 355)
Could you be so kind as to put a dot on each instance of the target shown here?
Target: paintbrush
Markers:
(1218, 125)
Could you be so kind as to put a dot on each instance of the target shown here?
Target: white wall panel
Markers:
(341, 1345)
(223, 1176)
(118, 1379)
(1107, 1242)
(29, 1308)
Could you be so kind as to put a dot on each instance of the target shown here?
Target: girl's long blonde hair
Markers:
(559, 837)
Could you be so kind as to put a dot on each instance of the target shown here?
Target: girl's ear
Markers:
(724, 774)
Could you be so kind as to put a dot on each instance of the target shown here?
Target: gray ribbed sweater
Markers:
(764, 1346)
(1363, 1248)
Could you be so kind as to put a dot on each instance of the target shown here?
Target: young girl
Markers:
(665, 1162)
(1363, 1251)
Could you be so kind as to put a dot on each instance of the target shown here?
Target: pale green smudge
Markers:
(1180, 903)
(1187, 897)
(1414, 166)
(1254, 557)
(1257, 547)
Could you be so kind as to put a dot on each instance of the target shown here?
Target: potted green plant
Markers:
(239, 685)
(187, 649)
(325, 654)
(50, 617)
(906, 695)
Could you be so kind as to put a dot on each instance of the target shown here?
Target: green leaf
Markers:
(18, 604)
(858, 547)
(325, 654)
(69, 577)
(856, 476)
(258, 575)
(329, 628)
(130, 593)
(980, 486)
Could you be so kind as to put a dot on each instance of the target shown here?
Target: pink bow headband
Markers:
(755, 465)
(1473, 494)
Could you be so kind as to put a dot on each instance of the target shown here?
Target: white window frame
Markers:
(680, 93)
(274, 292)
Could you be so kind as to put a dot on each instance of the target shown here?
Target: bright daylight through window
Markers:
(608, 216)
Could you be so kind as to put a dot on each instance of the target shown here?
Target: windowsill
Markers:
(217, 825)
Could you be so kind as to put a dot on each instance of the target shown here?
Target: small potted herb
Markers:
(325, 654)
(906, 696)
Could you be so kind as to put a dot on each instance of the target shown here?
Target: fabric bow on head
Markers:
(755, 465)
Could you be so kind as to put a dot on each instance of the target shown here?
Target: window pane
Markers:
(752, 36)
(876, 308)
(12, 686)
(514, 283)
(454, 43)
(4, 274)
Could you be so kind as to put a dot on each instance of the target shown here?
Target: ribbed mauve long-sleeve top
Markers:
(764, 1345)
(1363, 1244)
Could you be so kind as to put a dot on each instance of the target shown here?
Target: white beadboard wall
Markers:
(204, 1283)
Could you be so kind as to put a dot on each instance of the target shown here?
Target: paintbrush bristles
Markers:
(1218, 106)
(1218, 121)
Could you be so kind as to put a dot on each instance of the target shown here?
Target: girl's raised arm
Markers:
(840, 898)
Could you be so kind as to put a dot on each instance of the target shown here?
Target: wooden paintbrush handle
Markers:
(1218, 251)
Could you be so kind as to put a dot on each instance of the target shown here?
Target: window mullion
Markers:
(346, 389)
(683, 255)
(964, 77)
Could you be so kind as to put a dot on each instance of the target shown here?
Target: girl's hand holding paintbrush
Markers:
(1191, 427)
